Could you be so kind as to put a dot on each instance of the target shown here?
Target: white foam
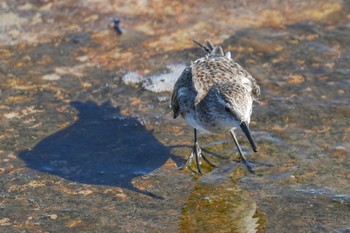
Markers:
(156, 83)
(131, 78)
(51, 77)
(164, 82)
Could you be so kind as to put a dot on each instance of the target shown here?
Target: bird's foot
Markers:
(244, 161)
(197, 154)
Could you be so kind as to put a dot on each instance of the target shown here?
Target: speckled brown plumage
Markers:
(215, 94)
(208, 77)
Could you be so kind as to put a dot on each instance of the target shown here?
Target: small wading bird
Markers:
(215, 95)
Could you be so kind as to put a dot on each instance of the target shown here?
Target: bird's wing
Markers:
(200, 79)
(242, 75)
(208, 71)
(256, 92)
(183, 82)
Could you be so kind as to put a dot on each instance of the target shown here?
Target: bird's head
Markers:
(236, 102)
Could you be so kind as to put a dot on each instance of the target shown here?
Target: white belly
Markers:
(211, 128)
(195, 124)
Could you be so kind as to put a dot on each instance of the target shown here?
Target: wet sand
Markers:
(88, 143)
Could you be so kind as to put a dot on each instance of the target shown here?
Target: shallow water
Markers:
(88, 142)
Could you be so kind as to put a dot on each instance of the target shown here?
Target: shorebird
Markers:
(215, 95)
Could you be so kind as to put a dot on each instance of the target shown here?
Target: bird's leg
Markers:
(241, 155)
(197, 153)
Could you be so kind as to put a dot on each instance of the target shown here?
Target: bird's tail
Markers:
(212, 50)
(208, 48)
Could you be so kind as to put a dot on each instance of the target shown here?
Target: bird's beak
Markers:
(245, 127)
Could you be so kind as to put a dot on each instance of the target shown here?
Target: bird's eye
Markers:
(227, 109)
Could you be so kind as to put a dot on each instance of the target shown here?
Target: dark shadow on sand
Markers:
(102, 147)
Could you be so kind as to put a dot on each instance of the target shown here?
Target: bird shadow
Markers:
(102, 147)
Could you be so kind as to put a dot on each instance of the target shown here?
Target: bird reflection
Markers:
(218, 205)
